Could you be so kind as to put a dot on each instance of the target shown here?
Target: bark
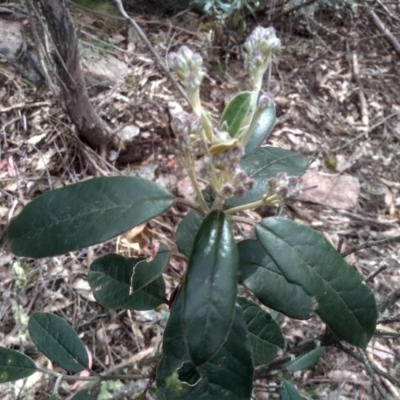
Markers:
(87, 123)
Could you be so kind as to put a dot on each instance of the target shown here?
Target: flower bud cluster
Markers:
(283, 188)
(187, 65)
(262, 40)
(259, 45)
(187, 128)
(238, 187)
(226, 159)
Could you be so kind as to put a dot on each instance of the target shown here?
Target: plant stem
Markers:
(196, 188)
(187, 203)
(247, 206)
(96, 378)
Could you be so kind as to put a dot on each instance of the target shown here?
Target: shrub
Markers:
(214, 338)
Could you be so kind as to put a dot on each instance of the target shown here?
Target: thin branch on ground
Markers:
(381, 27)
(369, 244)
(377, 370)
(383, 265)
(372, 374)
(389, 301)
(366, 133)
(143, 36)
(389, 320)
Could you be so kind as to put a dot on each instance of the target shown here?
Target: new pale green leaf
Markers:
(210, 288)
(84, 214)
(307, 259)
(58, 341)
(14, 365)
(235, 113)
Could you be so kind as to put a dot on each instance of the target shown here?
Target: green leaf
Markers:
(146, 272)
(306, 360)
(264, 333)
(84, 214)
(14, 365)
(235, 113)
(58, 341)
(259, 273)
(265, 163)
(264, 124)
(307, 259)
(289, 392)
(54, 397)
(187, 231)
(110, 279)
(210, 288)
(83, 395)
(228, 375)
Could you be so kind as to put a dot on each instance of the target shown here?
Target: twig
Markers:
(143, 36)
(377, 370)
(389, 320)
(244, 220)
(141, 21)
(366, 133)
(381, 27)
(323, 340)
(372, 374)
(381, 267)
(369, 244)
(391, 299)
(361, 95)
(23, 104)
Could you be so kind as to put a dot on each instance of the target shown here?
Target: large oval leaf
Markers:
(235, 113)
(116, 283)
(307, 259)
(210, 288)
(259, 273)
(187, 231)
(58, 341)
(265, 163)
(84, 214)
(228, 375)
(14, 365)
(263, 126)
(264, 333)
